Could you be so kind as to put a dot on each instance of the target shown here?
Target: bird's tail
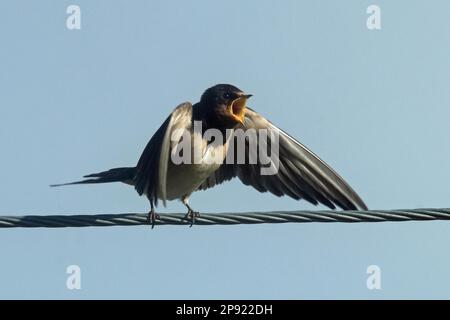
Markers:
(125, 175)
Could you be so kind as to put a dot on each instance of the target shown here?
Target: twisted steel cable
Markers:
(134, 219)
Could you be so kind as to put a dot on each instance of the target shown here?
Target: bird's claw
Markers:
(151, 218)
(191, 216)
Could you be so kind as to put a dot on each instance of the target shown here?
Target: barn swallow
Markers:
(301, 174)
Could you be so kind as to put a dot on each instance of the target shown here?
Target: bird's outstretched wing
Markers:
(301, 174)
(151, 170)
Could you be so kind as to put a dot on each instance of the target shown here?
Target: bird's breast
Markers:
(205, 158)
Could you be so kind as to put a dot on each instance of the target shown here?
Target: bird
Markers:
(300, 174)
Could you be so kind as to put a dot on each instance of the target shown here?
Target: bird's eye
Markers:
(227, 95)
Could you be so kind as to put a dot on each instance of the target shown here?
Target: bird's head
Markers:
(227, 103)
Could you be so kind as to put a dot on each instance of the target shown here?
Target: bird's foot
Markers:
(191, 216)
(152, 216)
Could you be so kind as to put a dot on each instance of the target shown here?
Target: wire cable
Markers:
(136, 219)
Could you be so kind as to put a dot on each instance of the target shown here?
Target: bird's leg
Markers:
(191, 214)
(152, 215)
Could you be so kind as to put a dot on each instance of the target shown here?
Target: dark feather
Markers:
(301, 174)
(152, 166)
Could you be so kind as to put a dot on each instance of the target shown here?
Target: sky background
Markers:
(375, 105)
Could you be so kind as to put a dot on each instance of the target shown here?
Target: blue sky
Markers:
(373, 104)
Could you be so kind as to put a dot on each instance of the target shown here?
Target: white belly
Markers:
(184, 179)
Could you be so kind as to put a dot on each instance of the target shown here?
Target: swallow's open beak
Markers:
(238, 106)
